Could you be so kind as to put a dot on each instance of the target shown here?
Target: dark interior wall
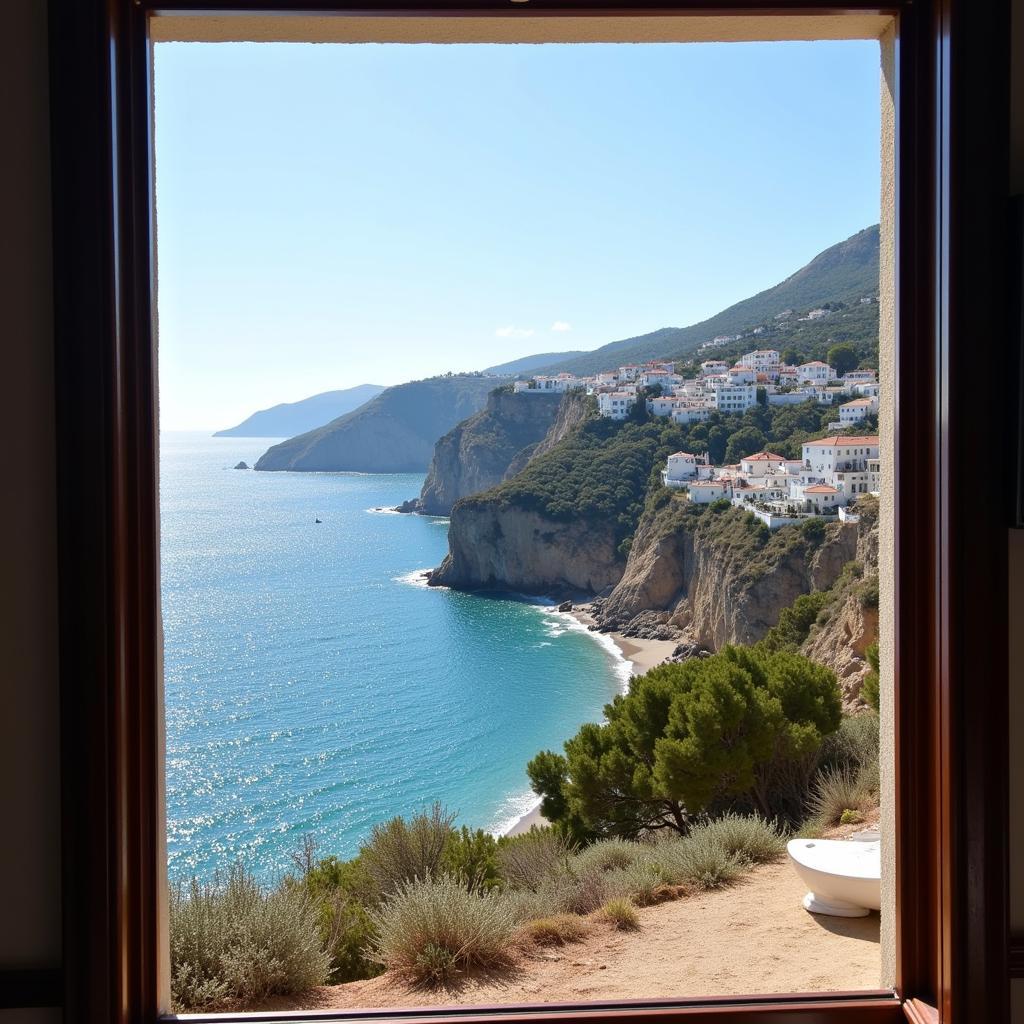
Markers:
(1016, 556)
(29, 767)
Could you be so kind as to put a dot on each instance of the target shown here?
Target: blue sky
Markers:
(331, 215)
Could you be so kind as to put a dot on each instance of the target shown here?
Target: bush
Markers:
(698, 859)
(854, 745)
(471, 856)
(837, 790)
(640, 882)
(526, 861)
(558, 930)
(432, 924)
(869, 692)
(750, 839)
(234, 942)
(606, 855)
(621, 915)
(399, 852)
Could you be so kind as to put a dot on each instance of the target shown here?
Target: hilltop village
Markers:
(832, 470)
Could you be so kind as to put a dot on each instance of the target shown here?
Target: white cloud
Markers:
(561, 325)
(514, 332)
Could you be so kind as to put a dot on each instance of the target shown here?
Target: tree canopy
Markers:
(686, 738)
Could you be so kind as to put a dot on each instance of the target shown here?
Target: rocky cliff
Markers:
(495, 546)
(480, 452)
(719, 574)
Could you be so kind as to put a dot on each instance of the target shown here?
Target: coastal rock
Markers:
(242, 465)
(565, 606)
(481, 451)
(718, 579)
(496, 546)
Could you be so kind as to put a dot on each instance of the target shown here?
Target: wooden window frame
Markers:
(951, 558)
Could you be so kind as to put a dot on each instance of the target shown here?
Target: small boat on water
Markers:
(317, 520)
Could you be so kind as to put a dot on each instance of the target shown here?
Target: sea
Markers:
(315, 686)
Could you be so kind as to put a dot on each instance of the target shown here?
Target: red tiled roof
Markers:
(766, 457)
(820, 489)
(845, 442)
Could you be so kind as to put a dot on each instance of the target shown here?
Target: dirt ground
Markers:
(753, 938)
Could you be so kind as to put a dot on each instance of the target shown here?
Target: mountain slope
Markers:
(392, 433)
(290, 418)
(843, 273)
(528, 363)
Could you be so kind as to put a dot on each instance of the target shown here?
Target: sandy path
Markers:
(754, 938)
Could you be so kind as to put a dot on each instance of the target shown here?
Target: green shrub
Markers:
(621, 915)
(746, 838)
(426, 916)
(849, 817)
(558, 930)
(837, 790)
(853, 745)
(698, 859)
(526, 861)
(606, 855)
(639, 882)
(525, 905)
(233, 942)
(399, 851)
(471, 855)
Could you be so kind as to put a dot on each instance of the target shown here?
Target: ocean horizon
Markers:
(315, 686)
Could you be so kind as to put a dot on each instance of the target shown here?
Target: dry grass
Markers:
(557, 930)
(621, 915)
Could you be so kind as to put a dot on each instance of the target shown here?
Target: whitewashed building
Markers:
(702, 492)
(844, 453)
(855, 411)
(711, 367)
(735, 398)
(681, 469)
(690, 412)
(615, 405)
(761, 360)
(815, 372)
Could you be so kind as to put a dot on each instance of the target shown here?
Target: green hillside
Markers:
(841, 276)
(392, 433)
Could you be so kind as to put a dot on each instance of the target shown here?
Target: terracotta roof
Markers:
(820, 489)
(856, 401)
(814, 362)
(765, 457)
(845, 442)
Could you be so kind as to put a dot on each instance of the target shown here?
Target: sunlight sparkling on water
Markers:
(315, 684)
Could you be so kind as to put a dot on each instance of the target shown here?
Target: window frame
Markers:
(951, 562)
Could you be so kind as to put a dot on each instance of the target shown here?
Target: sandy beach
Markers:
(642, 655)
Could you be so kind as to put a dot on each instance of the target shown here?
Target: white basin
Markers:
(844, 878)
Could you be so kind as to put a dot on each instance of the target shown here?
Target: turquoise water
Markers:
(315, 686)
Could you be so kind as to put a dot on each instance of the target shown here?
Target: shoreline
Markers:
(641, 655)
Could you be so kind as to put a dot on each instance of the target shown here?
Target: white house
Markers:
(855, 411)
(829, 455)
(741, 375)
(702, 492)
(680, 469)
(663, 406)
(522, 385)
(690, 412)
(867, 390)
(823, 498)
(765, 464)
(761, 360)
(560, 384)
(815, 372)
(711, 367)
(734, 399)
(648, 378)
(859, 377)
(628, 372)
(615, 405)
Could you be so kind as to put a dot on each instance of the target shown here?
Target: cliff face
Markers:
(721, 578)
(477, 454)
(501, 547)
(392, 433)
